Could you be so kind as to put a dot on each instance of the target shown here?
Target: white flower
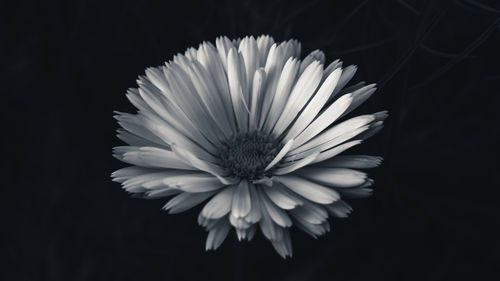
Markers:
(252, 129)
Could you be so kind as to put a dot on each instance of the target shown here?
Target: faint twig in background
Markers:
(332, 36)
(476, 5)
(461, 56)
(409, 7)
(439, 53)
(422, 34)
(361, 48)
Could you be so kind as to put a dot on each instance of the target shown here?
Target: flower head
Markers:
(252, 132)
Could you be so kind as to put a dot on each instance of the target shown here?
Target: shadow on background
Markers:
(66, 67)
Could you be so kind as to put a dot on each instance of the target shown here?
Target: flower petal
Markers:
(336, 177)
(308, 189)
(315, 105)
(284, 150)
(194, 183)
(241, 200)
(217, 235)
(352, 161)
(219, 205)
(283, 246)
(339, 209)
(151, 157)
(327, 117)
(186, 201)
(285, 83)
(277, 215)
(295, 165)
(282, 196)
(304, 88)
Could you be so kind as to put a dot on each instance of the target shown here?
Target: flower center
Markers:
(247, 155)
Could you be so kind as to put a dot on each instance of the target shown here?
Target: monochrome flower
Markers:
(252, 130)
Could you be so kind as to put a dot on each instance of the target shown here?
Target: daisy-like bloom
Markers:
(254, 133)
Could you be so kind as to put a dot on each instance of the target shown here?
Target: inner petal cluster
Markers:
(247, 155)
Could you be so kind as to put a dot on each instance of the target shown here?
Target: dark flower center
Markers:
(247, 155)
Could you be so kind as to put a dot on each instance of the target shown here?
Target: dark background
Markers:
(65, 66)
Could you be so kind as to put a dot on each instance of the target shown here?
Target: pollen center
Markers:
(247, 155)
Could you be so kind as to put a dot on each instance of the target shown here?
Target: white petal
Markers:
(359, 96)
(219, 205)
(217, 235)
(273, 69)
(304, 88)
(280, 155)
(211, 99)
(208, 57)
(159, 193)
(335, 151)
(199, 163)
(270, 229)
(347, 75)
(310, 190)
(277, 215)
(324, 120)
(327, 145)
(316, 55)
(185, 201)
(335, 131)
(282, 196)
(238, 88)
(134, 140)
(286, 82)
(339, 209)
(193, 183)
(255, 211)
(133, 124)
(250, 52)
(315, 105)
(352, 161)
(283, 246)
(256, 97)
(264, 43)
(289, 167)
(310, 213)
(241, 200)
(330, 68)
(185, 96)
(314, 230)
(337, 177)
(151, 157)
(223, 46)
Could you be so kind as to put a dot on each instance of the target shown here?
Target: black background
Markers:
(65, 66)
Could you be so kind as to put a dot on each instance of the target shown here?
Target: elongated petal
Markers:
(200, 182)
(241, 200)
(335, 151)
(295, 165)
(186, 201)
(308, 189)
(280, 155)
(220, 204)
(284, 246)
(339, 209)
(324, 120)
(352, 161)
(277, 215)
(151, 157)
(282, 197)
(255, 211)
(217, 235)
(337, 177)
(315, 105)
(304, 88)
